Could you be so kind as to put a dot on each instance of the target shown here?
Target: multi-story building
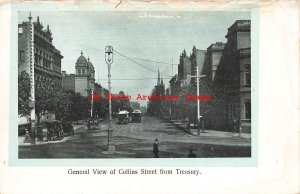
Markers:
(197, 59)
(85, 75)
(84, 79)
(213, 56)
(35, 44)
(232, 80)
(47, 59)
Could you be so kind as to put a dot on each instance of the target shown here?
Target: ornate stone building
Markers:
(47, 59)
(84, 76)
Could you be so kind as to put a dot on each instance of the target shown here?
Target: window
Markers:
(79, 71)
(247, 74)
(247, 109)
(20, 30)
(83, 71)
(22, 56)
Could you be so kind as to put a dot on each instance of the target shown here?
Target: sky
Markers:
(156, 36)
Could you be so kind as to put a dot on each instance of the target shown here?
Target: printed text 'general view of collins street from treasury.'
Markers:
(134, 84)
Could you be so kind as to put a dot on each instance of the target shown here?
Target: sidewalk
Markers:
(214, 133)
(207, 133)
(22, 138)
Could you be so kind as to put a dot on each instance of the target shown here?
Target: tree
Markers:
(63, 102)
(51, 99)
(24, 94)
(76, 106)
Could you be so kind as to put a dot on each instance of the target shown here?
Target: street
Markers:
(134, 140)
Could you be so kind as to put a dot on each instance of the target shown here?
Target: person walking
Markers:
(191, 154)
(155, 148)
(234, 126)
(188, 125)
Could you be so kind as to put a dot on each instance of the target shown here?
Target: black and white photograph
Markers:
(136, 84)
(149, 97)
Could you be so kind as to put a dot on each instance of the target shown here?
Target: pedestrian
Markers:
(191, 154)
(155, 148)
(188, 126)
(234, 126)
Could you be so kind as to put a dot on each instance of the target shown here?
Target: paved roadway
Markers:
(134, 140)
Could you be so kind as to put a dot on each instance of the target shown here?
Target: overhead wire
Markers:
(135, 79)
(142, 65)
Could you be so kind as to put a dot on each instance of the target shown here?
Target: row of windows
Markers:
(48, 80)
(42, 61)
(81, 71)
(42, 53)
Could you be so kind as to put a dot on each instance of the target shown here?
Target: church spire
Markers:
(158, 78)
(29, 16)
(81, 53)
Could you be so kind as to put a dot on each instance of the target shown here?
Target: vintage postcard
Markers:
(130, 89)
(134, 84)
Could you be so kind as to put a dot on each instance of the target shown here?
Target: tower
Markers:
(158, 77)
(85, 75)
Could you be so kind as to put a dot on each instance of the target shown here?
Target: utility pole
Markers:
(109, 60)
(198, 76)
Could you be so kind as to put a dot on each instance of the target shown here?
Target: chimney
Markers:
(63, 73)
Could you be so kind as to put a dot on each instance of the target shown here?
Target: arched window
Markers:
(247, 109)
(79, 71)
(83, 71)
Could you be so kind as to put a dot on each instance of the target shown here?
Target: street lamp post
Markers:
(109, 60)
(198, 101)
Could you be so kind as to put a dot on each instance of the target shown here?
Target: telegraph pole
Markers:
(109, 60)
(198, 76)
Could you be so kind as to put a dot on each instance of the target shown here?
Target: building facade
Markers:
(47, 59)
(197, 58)
(84, 76)
(213, 56)
(232, 80)
(68, 81)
